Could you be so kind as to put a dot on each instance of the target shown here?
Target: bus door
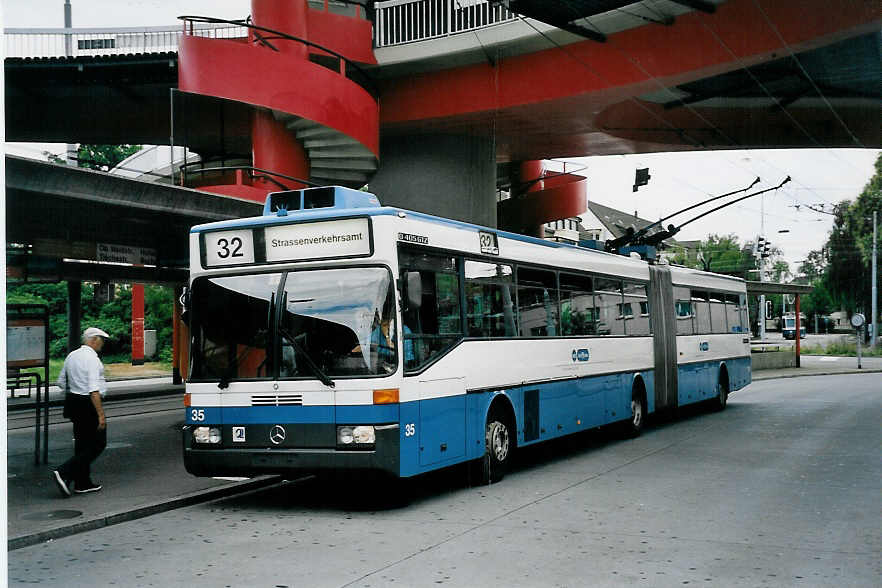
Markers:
(664, 336)
(442, 425)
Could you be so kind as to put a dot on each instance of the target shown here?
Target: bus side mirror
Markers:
(184, 300)
(414, 285)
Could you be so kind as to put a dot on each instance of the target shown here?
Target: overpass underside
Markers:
(449, 127)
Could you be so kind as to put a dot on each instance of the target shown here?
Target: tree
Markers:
(104, 157)
(721, 254)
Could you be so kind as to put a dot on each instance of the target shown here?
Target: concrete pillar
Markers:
(74, 312)
(453, 176)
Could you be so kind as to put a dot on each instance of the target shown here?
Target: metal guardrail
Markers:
(76, 42)
(396, 22)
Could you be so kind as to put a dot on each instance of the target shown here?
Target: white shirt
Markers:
(83, 373)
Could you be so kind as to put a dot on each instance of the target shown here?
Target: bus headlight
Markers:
(360, 435)
(206, 435)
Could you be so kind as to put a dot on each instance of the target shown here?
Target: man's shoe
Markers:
(62, 485)
(88, 487)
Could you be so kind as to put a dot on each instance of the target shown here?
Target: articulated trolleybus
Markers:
(333, 333)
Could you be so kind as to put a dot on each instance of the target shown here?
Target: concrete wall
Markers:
(772, 360)
(453, 176)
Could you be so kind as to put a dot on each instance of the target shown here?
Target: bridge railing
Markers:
(74, 42)
(397, 22)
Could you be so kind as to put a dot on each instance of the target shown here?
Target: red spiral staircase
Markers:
(312, 113)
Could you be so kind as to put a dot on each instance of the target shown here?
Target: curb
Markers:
(754, 377)
(178, 389)
(109, 519)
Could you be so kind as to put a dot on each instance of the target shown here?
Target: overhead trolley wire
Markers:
(795, 59)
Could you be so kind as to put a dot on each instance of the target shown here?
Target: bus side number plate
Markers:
(489, 243)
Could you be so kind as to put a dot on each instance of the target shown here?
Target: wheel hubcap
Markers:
(636, 412)
(499, 442)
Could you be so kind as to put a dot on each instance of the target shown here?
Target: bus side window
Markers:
(610, 307)
(489, 299)
(537, 303)
(433, 324)
(636, 309)
(578, 315)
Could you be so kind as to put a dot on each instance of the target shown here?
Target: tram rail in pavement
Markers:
(144, 474)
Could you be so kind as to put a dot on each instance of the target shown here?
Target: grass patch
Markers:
(841, 349)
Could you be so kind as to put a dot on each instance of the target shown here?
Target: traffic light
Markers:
(641, 177)
(763, 248)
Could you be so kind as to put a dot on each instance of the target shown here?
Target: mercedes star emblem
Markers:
(277, 434)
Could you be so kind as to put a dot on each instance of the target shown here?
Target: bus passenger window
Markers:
(434, 325)
(718, 313)
(537, 303)
(608, 299)
(577, 313)
(683, 307)
(733, 314)
(637, 309)
(701, 312)
(489, 300)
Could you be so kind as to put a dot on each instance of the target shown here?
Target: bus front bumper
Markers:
(223, 460)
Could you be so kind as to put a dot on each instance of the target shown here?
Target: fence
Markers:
(397, 22)
(76, 42)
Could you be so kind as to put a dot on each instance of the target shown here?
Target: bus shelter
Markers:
(796, 290)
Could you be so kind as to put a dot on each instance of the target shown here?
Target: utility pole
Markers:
(873, 323)
(71, 155)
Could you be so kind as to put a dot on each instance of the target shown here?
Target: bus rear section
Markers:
(292, 372)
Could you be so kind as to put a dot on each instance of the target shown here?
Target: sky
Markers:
(820, 177)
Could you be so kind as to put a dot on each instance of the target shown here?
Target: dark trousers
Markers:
(89, 442)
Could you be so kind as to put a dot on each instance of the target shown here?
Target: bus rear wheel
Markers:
(497, 451)
(722, 392)
(634, 426)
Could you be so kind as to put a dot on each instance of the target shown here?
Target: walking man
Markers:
(82, 379)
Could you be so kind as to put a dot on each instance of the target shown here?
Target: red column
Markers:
(798, 332)
(276, 149)
(137, 324)
(531, 173)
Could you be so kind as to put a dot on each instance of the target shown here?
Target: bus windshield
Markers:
(330, 323)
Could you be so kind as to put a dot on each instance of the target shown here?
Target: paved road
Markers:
(781, 489)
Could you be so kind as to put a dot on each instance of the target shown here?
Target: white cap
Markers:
(94, 332)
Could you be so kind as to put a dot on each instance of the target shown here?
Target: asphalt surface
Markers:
(142, 470)
(781, 489)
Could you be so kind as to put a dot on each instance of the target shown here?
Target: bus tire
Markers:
(722, 398)
(634, 425)
(498, 447)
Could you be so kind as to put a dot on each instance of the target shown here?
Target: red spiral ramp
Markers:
(549, 196)
(309, 117)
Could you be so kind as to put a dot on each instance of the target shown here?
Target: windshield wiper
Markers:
(225, 378)
(322, 376)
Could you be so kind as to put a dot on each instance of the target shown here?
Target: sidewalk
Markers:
(822, 365)
(142, 470)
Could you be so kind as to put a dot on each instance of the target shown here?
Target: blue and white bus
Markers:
(333, 333)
